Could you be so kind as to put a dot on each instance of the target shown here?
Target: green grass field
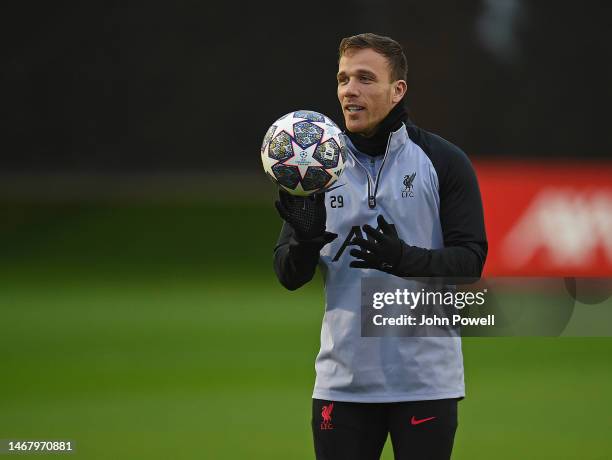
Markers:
(160, 332)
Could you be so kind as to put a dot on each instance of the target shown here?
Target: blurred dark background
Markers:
(192, 86)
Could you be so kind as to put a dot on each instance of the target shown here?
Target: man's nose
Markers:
(350, 89)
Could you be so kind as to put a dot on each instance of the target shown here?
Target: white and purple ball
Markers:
(303, 152)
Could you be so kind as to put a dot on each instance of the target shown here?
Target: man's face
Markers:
(365, 90)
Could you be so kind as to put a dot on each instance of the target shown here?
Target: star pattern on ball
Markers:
(303, 158)
(302, 171)
(286, 124)
(329, 128)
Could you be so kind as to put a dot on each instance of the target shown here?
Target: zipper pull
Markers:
(372, 198)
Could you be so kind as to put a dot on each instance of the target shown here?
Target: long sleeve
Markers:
(295, 260)
(461, 217)
(455, 261)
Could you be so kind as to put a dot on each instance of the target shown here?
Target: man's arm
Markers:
(454, 261)
(385, 251)
(303, 235)
(295, 260)
(461, 219)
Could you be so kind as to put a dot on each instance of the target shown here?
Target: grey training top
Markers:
(439, 217)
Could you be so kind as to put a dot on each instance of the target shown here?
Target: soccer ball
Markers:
(303, 152)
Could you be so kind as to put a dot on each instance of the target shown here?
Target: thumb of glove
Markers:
(282, 211)
(328, 237)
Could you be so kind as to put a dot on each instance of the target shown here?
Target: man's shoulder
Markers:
(433, 145)
(445, 156)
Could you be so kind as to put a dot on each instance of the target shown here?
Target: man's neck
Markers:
(375, 143)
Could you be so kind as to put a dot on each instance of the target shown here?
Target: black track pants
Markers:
(422, 430)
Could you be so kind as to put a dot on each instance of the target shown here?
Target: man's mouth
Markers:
(352, 108)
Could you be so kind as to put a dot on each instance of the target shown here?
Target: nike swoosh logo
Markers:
(333, 188)
(414, 421)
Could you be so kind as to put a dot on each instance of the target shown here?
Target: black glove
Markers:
(384, 253)
(305, 214)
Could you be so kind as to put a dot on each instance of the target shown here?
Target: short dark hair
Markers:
(386, 46)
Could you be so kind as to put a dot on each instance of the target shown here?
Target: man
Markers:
(416, 197)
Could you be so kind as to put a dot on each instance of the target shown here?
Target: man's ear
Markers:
(399, 90)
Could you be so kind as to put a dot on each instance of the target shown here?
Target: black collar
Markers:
(377, 144)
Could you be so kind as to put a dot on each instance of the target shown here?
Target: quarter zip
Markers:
(372, 196)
